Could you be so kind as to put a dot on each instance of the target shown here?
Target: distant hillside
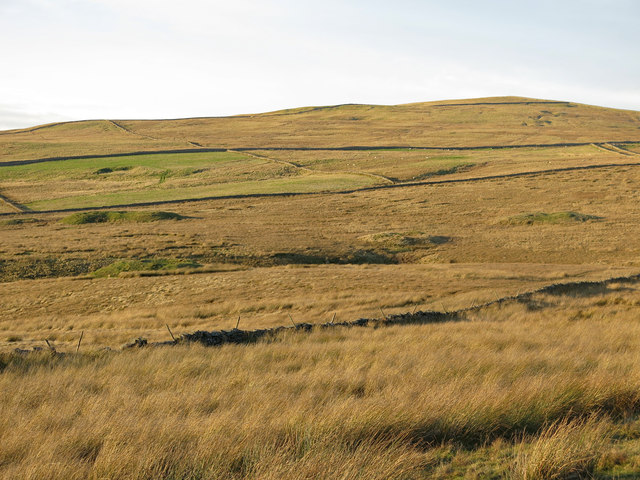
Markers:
(495, 121)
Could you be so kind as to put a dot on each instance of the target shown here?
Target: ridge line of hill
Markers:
(292, 111)
(534, 102)
(13, 163)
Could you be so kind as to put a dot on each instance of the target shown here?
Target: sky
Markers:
(124, 59)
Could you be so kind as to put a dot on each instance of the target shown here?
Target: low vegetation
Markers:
(397, 240)
(20, 221)
(102, 171)
(503, 121)
(546, 218)
(156, 264)
(565, 449)
(82, 218)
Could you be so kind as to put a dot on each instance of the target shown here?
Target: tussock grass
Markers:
(566, 449)
(403, 402)
(543, 388)
(82, 218)
(20, 221)
(549, 218)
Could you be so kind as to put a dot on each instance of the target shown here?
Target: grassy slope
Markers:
(540, 389)
(420, 124)
(154, 178)
(504, 395)
(160, 177)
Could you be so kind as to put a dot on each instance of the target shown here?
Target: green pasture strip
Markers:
(129, 265)
(307, 183)
(89, 166)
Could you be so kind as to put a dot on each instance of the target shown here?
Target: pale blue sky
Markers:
(81, 59)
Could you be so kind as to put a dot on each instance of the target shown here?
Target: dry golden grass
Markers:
(330, 228)
(476, 399)
(565, 449)
(415, 165)
(111, 312)
(542, 387)
(419, 124)
(76, 138)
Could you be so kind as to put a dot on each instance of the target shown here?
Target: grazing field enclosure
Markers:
(113, 231)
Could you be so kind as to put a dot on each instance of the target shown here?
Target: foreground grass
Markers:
(534, 398)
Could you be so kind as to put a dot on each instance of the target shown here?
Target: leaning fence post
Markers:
(238, 322)
(53, 350)
(80, 341)
(383, 314)
(170, 333)
(291, 318)
(334, 317)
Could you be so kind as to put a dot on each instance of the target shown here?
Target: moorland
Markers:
(114, 230)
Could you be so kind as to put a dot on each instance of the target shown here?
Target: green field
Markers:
(97, 182)
(301, 184)
(132, 179)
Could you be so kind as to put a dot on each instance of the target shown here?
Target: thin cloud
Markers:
(159, 59)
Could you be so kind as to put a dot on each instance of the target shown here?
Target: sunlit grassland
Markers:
(300, 184)
(108, 181)
(89, 167)
(635, 148)
(512, 392)
(415, 164)
(420, 124)
(5, 208)
(335, 228)
(97, 182)
(77, 138)
(112, 311)
(537, 387)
